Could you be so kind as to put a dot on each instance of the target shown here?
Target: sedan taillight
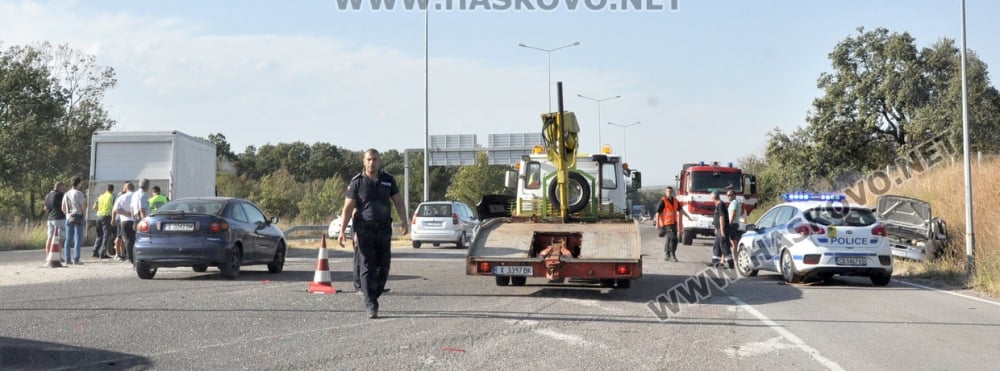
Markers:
(143, 226)
(218, 226)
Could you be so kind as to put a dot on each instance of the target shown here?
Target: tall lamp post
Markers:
(624, 136)
(548, 53)
(598, 114)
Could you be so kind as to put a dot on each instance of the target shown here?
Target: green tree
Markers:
(472, 182)
(50, 105)
(279, 194)
(883, 98)
(322, 200)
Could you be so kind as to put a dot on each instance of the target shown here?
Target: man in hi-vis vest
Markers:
(666, 221)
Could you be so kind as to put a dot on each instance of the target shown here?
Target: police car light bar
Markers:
(789, 197)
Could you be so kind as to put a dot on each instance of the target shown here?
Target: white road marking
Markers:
(981, 300)
(788, 335)
(758, 348)
(571, 339)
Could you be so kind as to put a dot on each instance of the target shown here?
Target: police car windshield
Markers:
(708, 182)
(841, 216)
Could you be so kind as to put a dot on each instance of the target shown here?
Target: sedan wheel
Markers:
(144, 271)
(278, 264)
(231, 268)
(788, 269)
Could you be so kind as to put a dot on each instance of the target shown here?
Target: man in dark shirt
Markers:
(56, 219)
(372, 193)
(720, 221)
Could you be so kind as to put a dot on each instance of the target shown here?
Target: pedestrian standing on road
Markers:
(121, 216)
(73, 207)
(666, 221)
(735, 214)
(372, 193)
(720, 221)
(140, 209)
(157, 200)
(56, 219)
(104, 241)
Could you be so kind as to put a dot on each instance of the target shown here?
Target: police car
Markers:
(816, 236)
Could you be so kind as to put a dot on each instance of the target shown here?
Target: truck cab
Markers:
(697, 181)
(598, 185)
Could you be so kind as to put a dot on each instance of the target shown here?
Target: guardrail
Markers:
(298, 232)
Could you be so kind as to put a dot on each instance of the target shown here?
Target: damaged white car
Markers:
(913, 232)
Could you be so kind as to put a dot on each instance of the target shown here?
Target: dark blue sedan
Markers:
(200, 232)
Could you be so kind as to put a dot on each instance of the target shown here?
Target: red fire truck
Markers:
(695, 184)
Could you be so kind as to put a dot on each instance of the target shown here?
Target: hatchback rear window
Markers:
(442, 210)
(841, 216)
(193, 206)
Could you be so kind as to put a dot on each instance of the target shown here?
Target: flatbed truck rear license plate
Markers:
(513, 270)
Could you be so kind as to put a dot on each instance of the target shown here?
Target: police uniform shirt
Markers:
(373, 198)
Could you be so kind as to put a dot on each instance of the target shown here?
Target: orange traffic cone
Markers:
(54, 258)
(322, 241)
(322, 283)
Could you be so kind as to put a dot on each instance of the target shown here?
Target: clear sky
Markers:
(707, 81)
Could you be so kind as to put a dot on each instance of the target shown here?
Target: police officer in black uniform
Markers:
(372, 193)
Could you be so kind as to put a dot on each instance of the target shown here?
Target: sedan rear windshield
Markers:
(193, 207)
(440, 210)
(841, 216)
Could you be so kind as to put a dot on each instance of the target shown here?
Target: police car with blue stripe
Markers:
(816, 236)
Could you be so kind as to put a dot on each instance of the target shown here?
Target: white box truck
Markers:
(181, 165)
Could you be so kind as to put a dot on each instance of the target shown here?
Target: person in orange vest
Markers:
(666, 221)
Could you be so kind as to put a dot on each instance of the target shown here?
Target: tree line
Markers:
(883, 98)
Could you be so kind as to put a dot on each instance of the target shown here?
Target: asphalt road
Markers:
(101, 316)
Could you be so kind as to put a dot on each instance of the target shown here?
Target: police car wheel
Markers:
(788, 269)
(881, 279)
(743, 263)
(579, 193)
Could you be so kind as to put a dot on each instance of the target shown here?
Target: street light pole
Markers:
(624, 137)
(548, 53)
(599, 144)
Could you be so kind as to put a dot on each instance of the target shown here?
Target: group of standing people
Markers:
(116, 218)
(725, 220)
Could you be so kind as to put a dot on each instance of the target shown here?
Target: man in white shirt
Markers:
(140, 209)
(72, 206)
(121, 214)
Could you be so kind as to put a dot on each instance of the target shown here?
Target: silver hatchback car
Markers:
(440, 222)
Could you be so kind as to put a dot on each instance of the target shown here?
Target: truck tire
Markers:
(687, 238)
(518, 280)
(502, 280)
(578, 199)
(623, 283)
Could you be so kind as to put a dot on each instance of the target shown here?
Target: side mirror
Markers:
(510, 179)
(636, 180)
(751, 227)
(273, 220)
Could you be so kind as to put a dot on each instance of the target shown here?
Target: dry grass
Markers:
(21, 236)
(944, 188)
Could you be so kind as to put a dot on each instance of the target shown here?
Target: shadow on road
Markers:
(23, 354)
